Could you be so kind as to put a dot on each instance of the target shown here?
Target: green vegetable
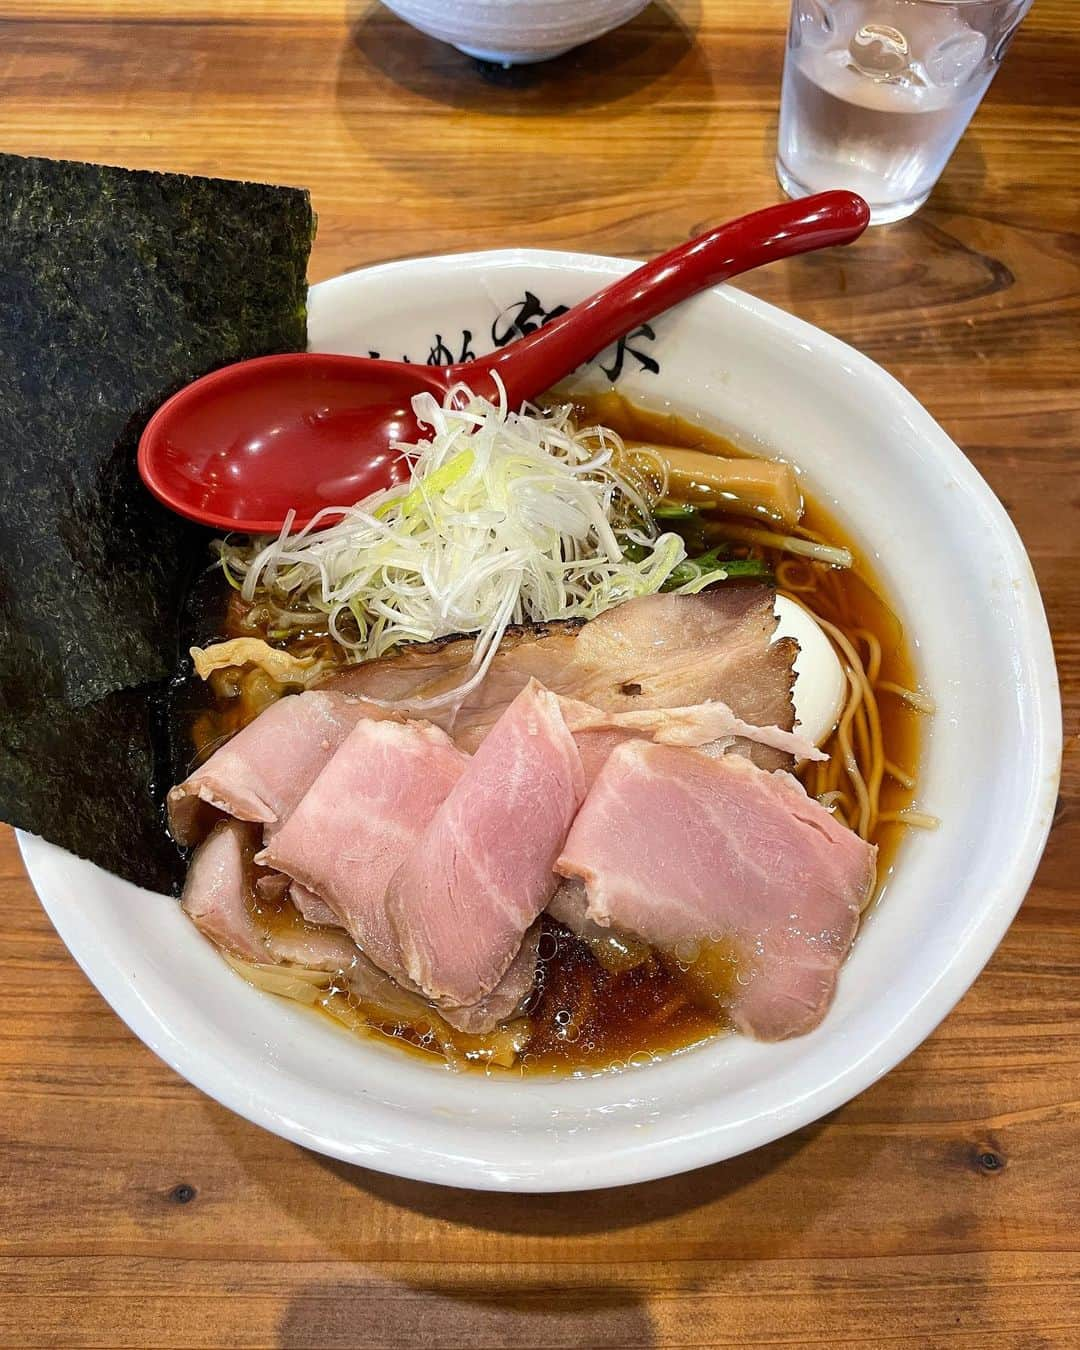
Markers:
(714, 566)
(748, 567)
(633, 552)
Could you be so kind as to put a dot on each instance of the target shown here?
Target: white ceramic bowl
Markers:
(515, 32)
(951, 558)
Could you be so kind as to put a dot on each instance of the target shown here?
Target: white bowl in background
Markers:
(950, 558)
(515, 32)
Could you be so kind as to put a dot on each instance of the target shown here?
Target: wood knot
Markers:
(987, 1160)
(630, 689)
(183, 1194)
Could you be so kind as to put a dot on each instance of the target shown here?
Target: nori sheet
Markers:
(92, 779)
(117, 287)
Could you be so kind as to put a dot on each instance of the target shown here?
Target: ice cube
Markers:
(956, 60)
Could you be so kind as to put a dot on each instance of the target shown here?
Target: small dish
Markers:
(515, 32)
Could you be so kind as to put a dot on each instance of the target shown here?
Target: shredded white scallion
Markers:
(506, 518)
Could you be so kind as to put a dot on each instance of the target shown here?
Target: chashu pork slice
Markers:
(710, 727)
(481, 872)
(506, 1000)
(216, 890)
(313, 908)
(261, 773)
(658, 651)
(219, 897)
(614, 949)
(677, 847)
(272, 888)
(371, 985)
(358, 821)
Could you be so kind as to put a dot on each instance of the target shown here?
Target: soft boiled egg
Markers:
(820, 686)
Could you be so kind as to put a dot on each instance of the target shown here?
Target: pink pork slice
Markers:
(261, 773)
(508, 996)
(273, 887)
(711, 727)
(219, 899)
(481, 872)
(312, 908)
(359, 819)
(678, 847)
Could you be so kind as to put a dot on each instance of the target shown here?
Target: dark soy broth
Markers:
(583, 1014)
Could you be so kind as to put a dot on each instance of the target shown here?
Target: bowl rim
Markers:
(656, 1157)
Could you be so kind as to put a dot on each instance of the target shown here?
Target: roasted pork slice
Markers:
(303, 944)
(261, 773)
(658, 651)
(224, 899)
(384, 995)
(219, 897)
(570, 906)
(481, 871)
(680, 848)
(358, 820)
(217, 890)
(711, 727)
(674, 651)
(271, 888)
(421, 670)
(312, 908)
(274, 888)
(506, 1000)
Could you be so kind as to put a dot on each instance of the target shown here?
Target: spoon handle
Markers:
(534, 363)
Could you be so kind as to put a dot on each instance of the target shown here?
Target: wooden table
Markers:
(938, 1209)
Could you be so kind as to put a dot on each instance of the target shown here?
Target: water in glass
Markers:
(877, 93)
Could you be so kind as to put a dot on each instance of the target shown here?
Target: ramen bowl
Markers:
(953, 566)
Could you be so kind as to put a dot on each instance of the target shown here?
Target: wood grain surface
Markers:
(941, 1208)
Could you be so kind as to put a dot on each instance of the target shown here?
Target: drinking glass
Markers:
(877, 93)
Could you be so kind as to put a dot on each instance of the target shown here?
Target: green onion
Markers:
(453, 471)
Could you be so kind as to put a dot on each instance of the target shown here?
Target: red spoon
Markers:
(242, 446)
